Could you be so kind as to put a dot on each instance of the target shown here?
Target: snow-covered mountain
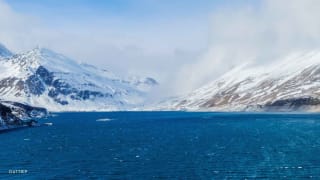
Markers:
(288, 84)
(47, 79)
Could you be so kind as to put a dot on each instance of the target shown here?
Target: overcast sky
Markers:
(182, 43)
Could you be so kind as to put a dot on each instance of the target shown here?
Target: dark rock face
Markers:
(10, 82)
(46, 76)
(13, 82)
(296, 102)
(42, 79)
(35, 85)
(13, 114)
(7, 117)
(36, 82)
(85, 94)
(27, 111)
(59, 87)
(292, 104)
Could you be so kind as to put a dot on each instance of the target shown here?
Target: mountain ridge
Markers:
(291, 83)
(48, 79)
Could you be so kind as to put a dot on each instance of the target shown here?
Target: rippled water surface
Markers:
(135, 145)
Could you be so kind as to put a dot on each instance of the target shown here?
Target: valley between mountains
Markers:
(41, 80)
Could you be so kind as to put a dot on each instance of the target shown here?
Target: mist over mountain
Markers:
(4, 52)
(290, 83)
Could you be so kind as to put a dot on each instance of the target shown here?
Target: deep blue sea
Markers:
(164, 145)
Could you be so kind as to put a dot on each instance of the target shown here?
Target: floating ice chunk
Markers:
(104, 120)
(48, 124)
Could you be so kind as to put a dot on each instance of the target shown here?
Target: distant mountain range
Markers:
(44, 78)
(288, 84)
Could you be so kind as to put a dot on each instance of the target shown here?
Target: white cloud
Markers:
(148, 47)
(169, 48)
(261, 32)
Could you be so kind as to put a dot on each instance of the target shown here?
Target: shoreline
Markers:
(12, 128)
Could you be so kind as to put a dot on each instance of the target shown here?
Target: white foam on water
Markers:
(104, 120)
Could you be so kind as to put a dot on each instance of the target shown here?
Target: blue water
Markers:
(145, 145)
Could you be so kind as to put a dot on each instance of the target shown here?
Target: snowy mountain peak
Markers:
(50, 59)
(45, 78)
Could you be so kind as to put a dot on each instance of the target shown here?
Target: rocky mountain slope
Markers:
(47, 79)
(288, 84)
(15, 115)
